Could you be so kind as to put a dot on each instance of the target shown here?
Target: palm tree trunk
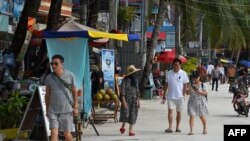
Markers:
(232, 55)
(93, 13)
(238, 56)
(30, 10)
(177, 31)
(153, 44)
(52, 25)
(54, 15)
(83, 11)
(112, 20)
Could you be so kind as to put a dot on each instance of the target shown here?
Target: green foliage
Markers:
(190, 65)
(225, 22)
(12, 110)
(125, 15)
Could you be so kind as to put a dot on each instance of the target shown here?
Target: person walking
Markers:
(203, 73)
(176, 85)
(61, 99)
(97, 80)
(231, 73)
(222, 73)
(210, 67)
(197, 103)
(215, 77)
(130, 100)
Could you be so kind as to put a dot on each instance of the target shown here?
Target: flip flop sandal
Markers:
(190, 133)
(178, 130)
(168, 131)
(204, 132)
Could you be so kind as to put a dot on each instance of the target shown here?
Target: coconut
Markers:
(102, 91)
(109, 91)
(106, 97)
(98, 97)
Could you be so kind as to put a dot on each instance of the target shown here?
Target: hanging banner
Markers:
(108, 68)
(5, 6)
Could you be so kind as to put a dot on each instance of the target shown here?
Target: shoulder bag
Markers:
(64, 84)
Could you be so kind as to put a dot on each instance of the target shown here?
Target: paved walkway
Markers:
(152, 122)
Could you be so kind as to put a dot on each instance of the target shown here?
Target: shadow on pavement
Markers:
(231, 116)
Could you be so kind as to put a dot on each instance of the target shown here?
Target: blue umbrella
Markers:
(245, 63)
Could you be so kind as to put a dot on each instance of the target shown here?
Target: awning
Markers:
(226, 61)
(161, 36)
(73, 29)
(93, 33)
(90, 34)
(245, 63)
(166, 57)
(169, 56)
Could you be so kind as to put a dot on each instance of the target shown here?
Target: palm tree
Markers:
(93, 12)
(30, 10)
(223, 21)
(125, 16)
(52, 25)
(54, 15)
(83, 11)
(153, 44)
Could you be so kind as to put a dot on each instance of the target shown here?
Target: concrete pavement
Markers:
(152, 121)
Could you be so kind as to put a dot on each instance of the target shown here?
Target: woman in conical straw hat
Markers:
(130, 102)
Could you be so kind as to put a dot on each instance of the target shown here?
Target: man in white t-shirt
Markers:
(210, 67)
(176, 85)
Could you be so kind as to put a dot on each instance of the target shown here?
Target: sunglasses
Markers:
(54, 63)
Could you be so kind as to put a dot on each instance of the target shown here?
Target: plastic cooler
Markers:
(148, 93)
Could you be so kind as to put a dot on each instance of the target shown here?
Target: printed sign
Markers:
(42, 92)
(108, 68)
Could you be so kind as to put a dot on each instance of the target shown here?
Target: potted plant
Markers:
(11, 113)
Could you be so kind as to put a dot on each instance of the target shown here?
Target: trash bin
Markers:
(148, 94)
